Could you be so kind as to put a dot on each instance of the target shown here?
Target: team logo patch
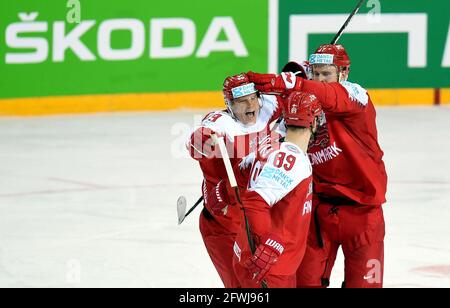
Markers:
(277, 176)
(268, 172)
(318, 58)
(244, 90)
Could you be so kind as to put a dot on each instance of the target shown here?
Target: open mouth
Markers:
(250, 114)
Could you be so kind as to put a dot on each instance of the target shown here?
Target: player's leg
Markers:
(363, 247)
(364, 266)
(244, 278)
(219, 244)
(317, 263)
(315, 269)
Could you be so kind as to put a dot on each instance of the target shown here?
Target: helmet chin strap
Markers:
(230, 110)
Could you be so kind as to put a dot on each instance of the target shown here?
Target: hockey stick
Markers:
(233, 183)
(353, 13)
(181, 208)
(294, 67)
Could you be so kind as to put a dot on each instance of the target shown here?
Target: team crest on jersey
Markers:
(294, 109)
(312, 97)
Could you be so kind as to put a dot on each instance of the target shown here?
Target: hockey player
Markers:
(248, 119)
(278, 201)
(349, 174)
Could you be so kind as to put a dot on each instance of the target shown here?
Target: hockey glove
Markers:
(276, 84)
(201, 144)
(220, 197)
(265, 257)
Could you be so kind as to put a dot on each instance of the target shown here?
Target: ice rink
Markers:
(90, 201)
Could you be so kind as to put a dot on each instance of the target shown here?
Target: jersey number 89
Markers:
(285, 161)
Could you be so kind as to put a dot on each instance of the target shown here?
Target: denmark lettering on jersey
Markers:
(324, 155)
(307, 207)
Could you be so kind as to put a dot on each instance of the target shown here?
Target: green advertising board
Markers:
(77, 47)
(392, 43)
(136, 46)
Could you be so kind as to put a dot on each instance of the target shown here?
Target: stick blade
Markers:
(181, 209)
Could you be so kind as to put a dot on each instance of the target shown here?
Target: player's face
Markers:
(325, 73)
(246, 109)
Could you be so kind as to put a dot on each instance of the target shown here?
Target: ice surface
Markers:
(90, 201)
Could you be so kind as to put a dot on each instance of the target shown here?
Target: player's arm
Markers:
(200, 144)
(343, 98)
(223, 195)
(269, 245)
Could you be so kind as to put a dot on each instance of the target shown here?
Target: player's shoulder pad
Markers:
(356, 92)
(276, 181)
(218, 121)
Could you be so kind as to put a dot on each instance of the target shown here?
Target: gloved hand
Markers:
(277, 84)
(220, 197)
(201, 145)
(265, 257)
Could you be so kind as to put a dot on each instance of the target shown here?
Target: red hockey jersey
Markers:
(278, 201)
(346, 157)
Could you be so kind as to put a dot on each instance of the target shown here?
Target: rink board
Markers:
(175, 101)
